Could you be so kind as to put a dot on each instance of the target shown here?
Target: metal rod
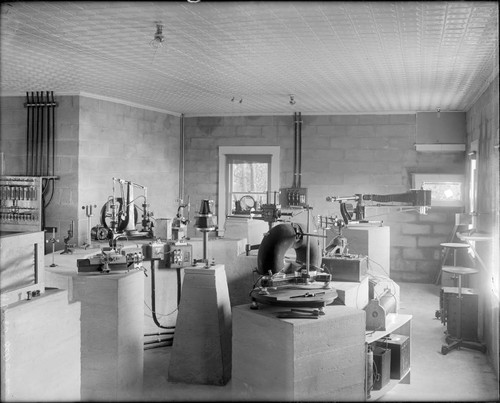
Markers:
(35, 254)
(308, 251)
(205, 240)
(459, 316)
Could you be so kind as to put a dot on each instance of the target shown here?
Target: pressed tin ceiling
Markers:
(248, 57)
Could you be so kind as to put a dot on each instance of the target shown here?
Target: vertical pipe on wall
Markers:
(294, 150)
(32, 132)
(299, 171)
(27, 132)
(42, 132)
(37, 133)
(53, 134)
(181, 160)
(49, 107)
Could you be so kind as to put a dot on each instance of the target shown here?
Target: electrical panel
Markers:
(177, 255)
(293, 197)
(154, 250)
(21, 201)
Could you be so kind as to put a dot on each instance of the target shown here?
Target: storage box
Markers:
(400, 354)
(381, 367)
(469, 311)
(346, 268)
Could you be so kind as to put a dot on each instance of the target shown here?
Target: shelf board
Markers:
(377, 394)
(440, 147)
(393, 322)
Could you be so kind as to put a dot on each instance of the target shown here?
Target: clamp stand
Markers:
(455, 343)
(67, 250)
(53, 240)
(89, 213)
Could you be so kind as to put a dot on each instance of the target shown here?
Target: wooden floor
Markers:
(463, 375)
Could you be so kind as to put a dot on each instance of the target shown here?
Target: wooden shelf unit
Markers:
(398, 324)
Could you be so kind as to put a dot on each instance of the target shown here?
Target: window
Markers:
(248, 182)
(446, 190)
(473, 183)
(246, 174)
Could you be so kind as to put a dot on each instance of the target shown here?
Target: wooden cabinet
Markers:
(395, 324)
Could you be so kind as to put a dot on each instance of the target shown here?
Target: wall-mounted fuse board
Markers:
(21, 203)
(178, 255)
(293, 197)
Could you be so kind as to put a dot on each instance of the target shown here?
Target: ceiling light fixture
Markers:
(159, 38)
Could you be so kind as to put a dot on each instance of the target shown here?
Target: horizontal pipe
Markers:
(166, 344)
(159, 334)
(158, 341)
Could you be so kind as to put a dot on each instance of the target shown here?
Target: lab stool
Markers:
(447, 246)
(456, 342)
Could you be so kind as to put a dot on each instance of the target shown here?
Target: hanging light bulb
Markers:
(159, 38)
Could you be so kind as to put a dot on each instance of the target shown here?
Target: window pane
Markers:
(444, 191)
(249, 177)
(248, 181)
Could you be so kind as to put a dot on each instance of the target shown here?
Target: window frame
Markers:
(230, 160)
(419, 179)
(224, 152)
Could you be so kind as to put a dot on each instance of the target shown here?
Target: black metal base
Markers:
(457, 344)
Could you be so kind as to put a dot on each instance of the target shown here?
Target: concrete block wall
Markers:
(62, 208)
(341, 155)
(129, 143)
(483, 125)
(12, 136)
(97, 140)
